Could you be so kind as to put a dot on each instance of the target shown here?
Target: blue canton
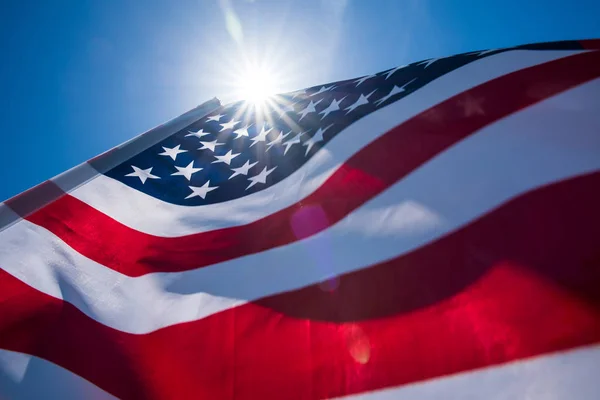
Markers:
(238, 150)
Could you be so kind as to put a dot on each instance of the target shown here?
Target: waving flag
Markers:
(430, 231)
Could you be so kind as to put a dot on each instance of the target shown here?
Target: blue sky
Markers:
(79, 77)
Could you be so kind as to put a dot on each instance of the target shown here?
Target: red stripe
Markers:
(591, 44)
(519, 282)
(362, 177)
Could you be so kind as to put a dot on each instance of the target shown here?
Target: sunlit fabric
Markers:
(429, 231)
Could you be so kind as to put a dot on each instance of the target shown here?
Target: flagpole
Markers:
(21, 205)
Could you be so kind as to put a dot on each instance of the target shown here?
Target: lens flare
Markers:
(358, 344)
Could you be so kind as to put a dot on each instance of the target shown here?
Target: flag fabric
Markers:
(430, 231)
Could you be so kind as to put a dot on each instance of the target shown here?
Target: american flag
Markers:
(429, 231)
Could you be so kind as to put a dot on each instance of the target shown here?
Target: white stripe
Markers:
(553, 140)
(27, 377)
(562, 376)
(147, 214)
(135, 305)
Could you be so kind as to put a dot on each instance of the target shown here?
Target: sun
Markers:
(257, 84)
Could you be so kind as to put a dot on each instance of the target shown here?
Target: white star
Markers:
(292, 142)
(198, 134)
(243, 170)
(359, 81)
(260, 178)
(334, 106)
(261, 137)
(229, 125)
(186, 171)
(322, 90)
(472, 106)
(428, 62)
(317, 137)
(226, 158)
(395, 90)
(143, 174)
(277, 140)
(393, 71)
(215, 118)
(309, 108)
(172, 152)
(210, 145)
(298, 93)
(361, 101)
(201, 191)
(242, 132)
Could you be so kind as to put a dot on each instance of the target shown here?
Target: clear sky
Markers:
(79, 77)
